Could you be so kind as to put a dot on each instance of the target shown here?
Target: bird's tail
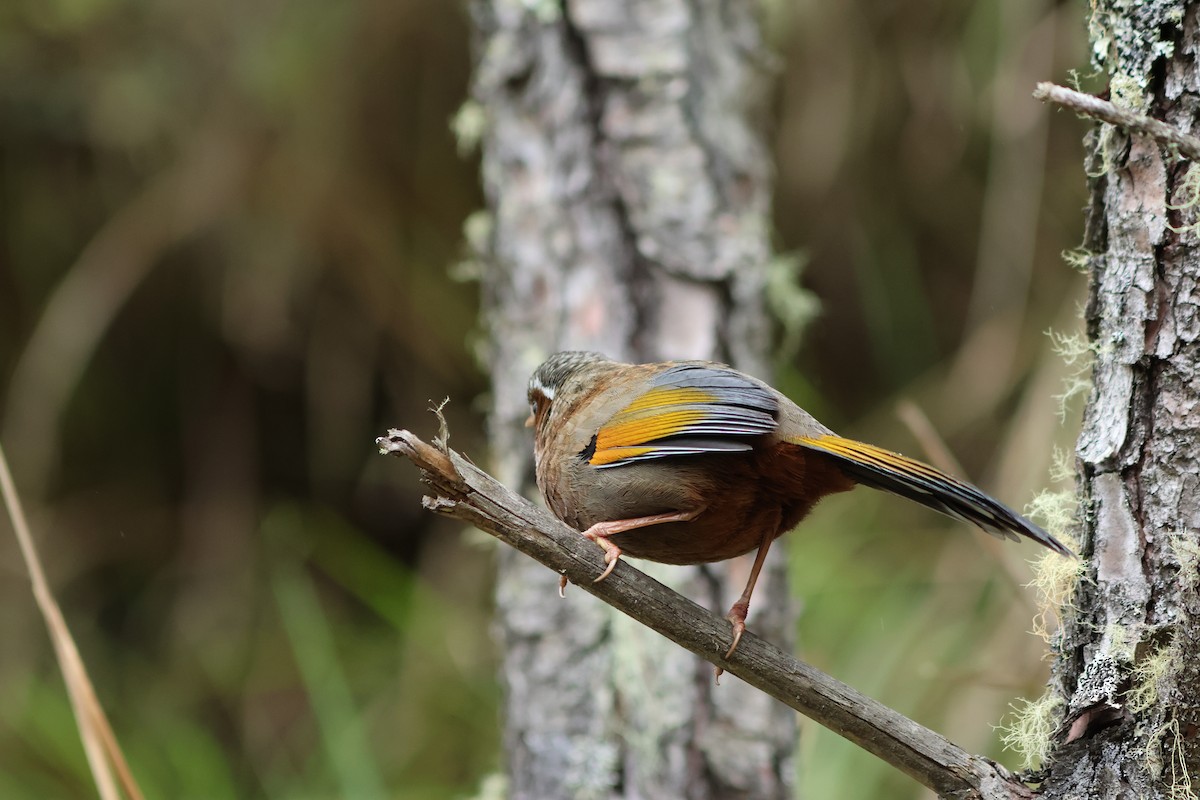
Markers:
(892, 472)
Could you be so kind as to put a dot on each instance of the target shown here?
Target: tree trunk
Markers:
(1127, 666)
(628, 189)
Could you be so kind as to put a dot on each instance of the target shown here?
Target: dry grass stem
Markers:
(99, 744)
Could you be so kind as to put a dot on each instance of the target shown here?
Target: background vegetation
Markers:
(230, 246)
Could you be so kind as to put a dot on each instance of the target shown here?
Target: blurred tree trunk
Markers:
(628, 189)
(1127, 667)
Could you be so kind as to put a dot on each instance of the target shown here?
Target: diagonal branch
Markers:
(461, 490)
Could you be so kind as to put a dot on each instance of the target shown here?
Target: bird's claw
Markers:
(612, 554)
(739, 628)
(737, 618)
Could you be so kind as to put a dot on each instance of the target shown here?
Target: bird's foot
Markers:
(599, 534)
(737, 617)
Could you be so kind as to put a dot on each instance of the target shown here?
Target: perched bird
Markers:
(688, 462)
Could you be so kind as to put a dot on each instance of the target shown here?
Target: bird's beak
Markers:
(529, 421)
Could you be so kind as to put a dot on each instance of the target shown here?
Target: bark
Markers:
(1127, 667)
(628, 190)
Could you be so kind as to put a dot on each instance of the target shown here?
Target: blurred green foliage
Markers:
(225, 238)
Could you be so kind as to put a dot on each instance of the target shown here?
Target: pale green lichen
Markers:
(1118, 642)
(1054, 577)
(1075, 78)
(1062, 465)
(1125, 93)
(1077, 259)
(1152, 690)
(468, 125)
(494, 786)
(1188, 191)
(1148, 676)
(1179, 784)
(546, 11)
(1072, 348)
(1167, 741)
(477, 231)
(1074, 386)
(1078, 353)
(1186, 551)
(1130, 40)
(1055, 510)
(1108, 152)
(1029, 729)
(789, 302)
(1100, 34)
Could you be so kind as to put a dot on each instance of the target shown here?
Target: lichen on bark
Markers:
(1132, 697)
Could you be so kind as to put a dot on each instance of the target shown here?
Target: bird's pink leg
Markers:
(600, 532)
(737, 614)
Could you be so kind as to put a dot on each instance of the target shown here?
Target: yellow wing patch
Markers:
(665, 397)
(646, 427)
(614, 454)
(653, 415)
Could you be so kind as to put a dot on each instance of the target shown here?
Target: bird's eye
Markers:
(537, 405)
(540, 398)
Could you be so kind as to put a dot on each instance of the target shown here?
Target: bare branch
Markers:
(461, 490)
(1089, 105)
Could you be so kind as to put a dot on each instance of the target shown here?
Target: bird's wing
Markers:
(882, 469)
(688, 409)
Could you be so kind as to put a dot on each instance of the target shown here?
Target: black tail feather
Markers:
(881, 469)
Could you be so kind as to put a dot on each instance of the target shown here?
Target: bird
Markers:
(693, 462)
